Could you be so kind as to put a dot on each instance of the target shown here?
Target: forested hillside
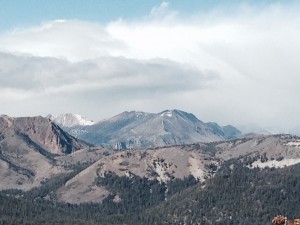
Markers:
(39, 206)
(236, 195)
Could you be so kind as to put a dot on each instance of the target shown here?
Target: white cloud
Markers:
(162, 12)
(73, 40)
(103, 82)
(253, 53)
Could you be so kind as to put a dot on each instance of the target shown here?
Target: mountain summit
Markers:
(70, 120)
(28, 147)
(142, 130)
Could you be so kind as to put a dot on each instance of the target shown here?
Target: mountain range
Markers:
(44, 171)
(143, 130)
(35, 149)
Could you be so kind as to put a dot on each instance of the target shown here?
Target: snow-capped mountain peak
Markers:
(167, 113)
(70, 120)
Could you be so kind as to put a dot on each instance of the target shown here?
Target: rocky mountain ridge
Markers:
(28, 146)
(134, 129)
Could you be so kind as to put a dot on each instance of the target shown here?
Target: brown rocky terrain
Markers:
(28, 146)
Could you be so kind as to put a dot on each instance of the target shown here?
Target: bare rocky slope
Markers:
(28, 146)
(133, 129)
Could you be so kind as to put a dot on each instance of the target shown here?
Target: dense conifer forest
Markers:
(236, 195)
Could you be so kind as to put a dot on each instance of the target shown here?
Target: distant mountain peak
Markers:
(40, 131)
(28, 147)
(168, 113)
(179, 113)
(142, 130)
(70, 120)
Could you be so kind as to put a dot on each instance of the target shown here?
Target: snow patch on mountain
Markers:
(294, 143)
(167, 113)
(275, 163)
(70, 120)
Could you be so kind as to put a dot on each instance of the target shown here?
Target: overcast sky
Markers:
(236, 63)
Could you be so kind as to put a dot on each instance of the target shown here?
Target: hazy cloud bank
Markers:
(234, 68)
(24, 78)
